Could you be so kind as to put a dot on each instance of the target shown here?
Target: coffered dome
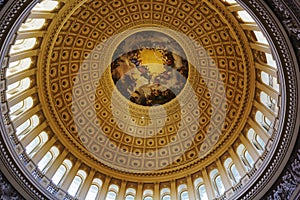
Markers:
(137, 99)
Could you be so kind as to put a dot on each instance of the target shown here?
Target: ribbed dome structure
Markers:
(134, 99)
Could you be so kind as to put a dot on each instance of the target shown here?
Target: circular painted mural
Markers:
(149, 68)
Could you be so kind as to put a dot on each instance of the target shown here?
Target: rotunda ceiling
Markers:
(147, 99)
(147, 87)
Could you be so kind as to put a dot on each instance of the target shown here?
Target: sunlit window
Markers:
(182, 192)
(270, 60)
(217, 182)
(202, 192)
(270, 80)
(249, 158)
(230, 1)
(18, 66)
(94, 189)
(256, 141)
(59, 174)
(165, 194)
(232, 171)
(32, 24)
(77, 182)
(245, 157)
(36, 143)
(166, 197)
(61, 171)
(50, 156)
(263, 120)
(147, 195)
(92, 193)
(46, 5)
(75, 185)
(260, 37)
(112, 192)
(184, 195)
(28, 125)
(23, 45)
(130, 194)
(111, 195)
(17, 86)
(244, 15)
(268, 101)
(129, 197)
(21, 107)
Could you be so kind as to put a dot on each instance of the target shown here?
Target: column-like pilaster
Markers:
(174, 193)
(139, 191)
(43, 150)
(208, 185)
(122, 191)
(253, 152)
(237, 161)
(224, 176)
(55, 165)
(86, 185)
(104, 188)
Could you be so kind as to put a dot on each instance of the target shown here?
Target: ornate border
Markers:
(286, 11)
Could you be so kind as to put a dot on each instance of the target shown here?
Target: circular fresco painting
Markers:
(149, 68)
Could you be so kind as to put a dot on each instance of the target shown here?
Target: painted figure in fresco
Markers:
(151, 73)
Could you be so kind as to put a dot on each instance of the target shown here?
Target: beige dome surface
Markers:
(91, 117)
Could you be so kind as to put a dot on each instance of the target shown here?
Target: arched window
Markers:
(199, 185)
(217, 182)
(270, 61)
(92, 193)
(28, 125)
(129, 197)
(23, 45)
(36, 143)
(61, 171)
(48, 158)
(20, 107)
(166, 197)
(230, 1)
(245, 157)
(232, 171)
(18, 66)
(112, 192)
(182, 192)
(130, 194)
(244, 15)
(165, 194)
(202, 192)
(46, 5)
(94, 189)
(269, 80)
(18, 86)
(256, 141)
(148, 195)
(263, 120)
(32, 24)
(77, 183)
(260, 37)
(249, 158)
(111, 195)
(184, 195)
(268, 101)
